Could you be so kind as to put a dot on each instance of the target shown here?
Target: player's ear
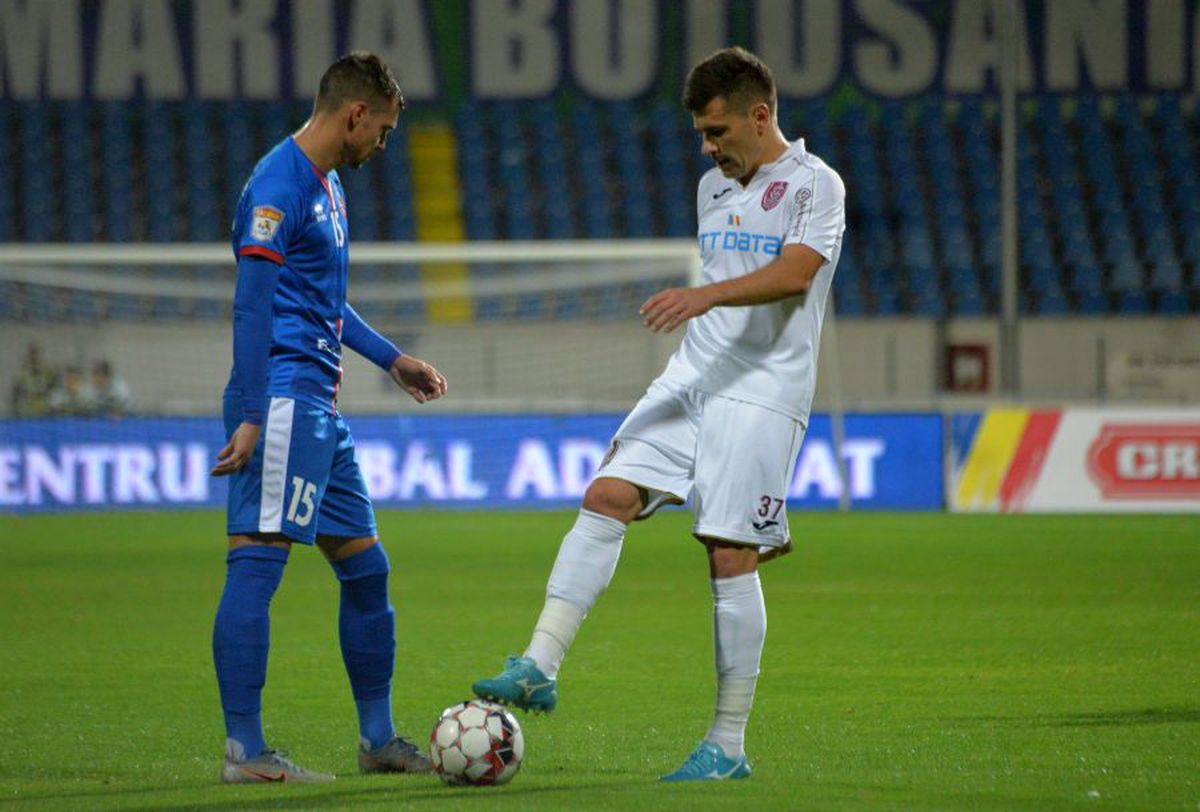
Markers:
(762, 116)
(358, 112)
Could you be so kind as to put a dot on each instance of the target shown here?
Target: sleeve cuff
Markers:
(261, 251)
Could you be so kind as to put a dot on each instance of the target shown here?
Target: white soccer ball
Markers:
(477, 743)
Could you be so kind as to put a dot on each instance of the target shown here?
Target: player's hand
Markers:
(238, 451)
(418, 379)
(667, 309)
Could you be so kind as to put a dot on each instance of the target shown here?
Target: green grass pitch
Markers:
(913, 662)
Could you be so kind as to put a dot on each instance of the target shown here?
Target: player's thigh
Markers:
(655, 447)
(280, 490)
(745, 458)
(346, 510)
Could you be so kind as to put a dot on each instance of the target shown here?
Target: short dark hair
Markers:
(358, 76)
(735, 73)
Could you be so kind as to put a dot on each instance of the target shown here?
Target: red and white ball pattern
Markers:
(477, 743)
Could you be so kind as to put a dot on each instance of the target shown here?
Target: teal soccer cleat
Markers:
(521, 684)
(708, 762)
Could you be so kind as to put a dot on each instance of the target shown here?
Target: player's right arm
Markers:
(252, 321)
(262, 227)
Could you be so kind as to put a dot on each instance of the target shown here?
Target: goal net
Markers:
(524, 327)
(541, 344)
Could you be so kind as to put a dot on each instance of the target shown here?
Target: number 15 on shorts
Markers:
(301, 508)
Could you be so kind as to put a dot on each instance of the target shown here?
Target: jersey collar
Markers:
(794, 151)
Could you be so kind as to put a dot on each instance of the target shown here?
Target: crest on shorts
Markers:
(774, 194)
(266, 223)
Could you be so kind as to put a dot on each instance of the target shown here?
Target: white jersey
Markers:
(764, 354)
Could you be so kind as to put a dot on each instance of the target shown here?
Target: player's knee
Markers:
(371, 561)
(613, 497)
(730, 561)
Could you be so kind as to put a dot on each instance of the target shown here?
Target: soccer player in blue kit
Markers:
(290, 457)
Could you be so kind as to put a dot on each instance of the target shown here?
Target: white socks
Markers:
(585, 564)
(739, 627)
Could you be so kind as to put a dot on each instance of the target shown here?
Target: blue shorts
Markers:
(303, 479)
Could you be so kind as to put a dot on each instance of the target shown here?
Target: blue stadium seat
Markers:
(887, 302)
(673, 193)
(1086, 279)
(928, 299)
(78, 182)
(1174, 302)
(629, 132)
(1166, 274)
(553, 173)
(1052, 302)
(362, 201)
(1094, 303)
(474, 169)
(1133, 303)
(39, 206)
(397, 221)
(117, 165)
(204, 222)
(239, 147)
(588, 127)
(158, 152)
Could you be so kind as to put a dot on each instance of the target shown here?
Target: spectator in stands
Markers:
(110, 394)
(35, 381)
(73, 395)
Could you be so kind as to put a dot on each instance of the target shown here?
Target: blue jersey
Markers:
(295, 216)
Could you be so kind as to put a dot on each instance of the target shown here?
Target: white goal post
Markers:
(74, 265)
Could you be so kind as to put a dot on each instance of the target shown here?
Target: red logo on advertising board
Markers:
(774, 194)
(1146, 461)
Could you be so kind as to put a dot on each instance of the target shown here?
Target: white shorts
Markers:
(740, 458)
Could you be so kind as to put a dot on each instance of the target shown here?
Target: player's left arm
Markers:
(789, 274)
(416, 377)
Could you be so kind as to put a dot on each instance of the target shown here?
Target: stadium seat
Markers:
(1166, 274)
(202, 209)
(399, 220)
(39, 208)
(1133, 303)
(1108, 186)
(117, 165)
(158, 139)
(78, 183)
(1173, 302)
(1052, 302)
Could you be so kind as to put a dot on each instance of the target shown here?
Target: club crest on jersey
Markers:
(266, 223)
(774, 194)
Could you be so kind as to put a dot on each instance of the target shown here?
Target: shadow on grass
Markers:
(434, 794)
(275, 796)
(1182, 714)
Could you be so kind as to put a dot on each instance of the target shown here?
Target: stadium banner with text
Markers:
(1085, 460)
(605, 50)
(892, 461)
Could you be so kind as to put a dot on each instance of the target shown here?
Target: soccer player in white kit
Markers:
(727, 416)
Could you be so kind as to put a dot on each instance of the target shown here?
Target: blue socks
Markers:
(241, 639)
(367, 628)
